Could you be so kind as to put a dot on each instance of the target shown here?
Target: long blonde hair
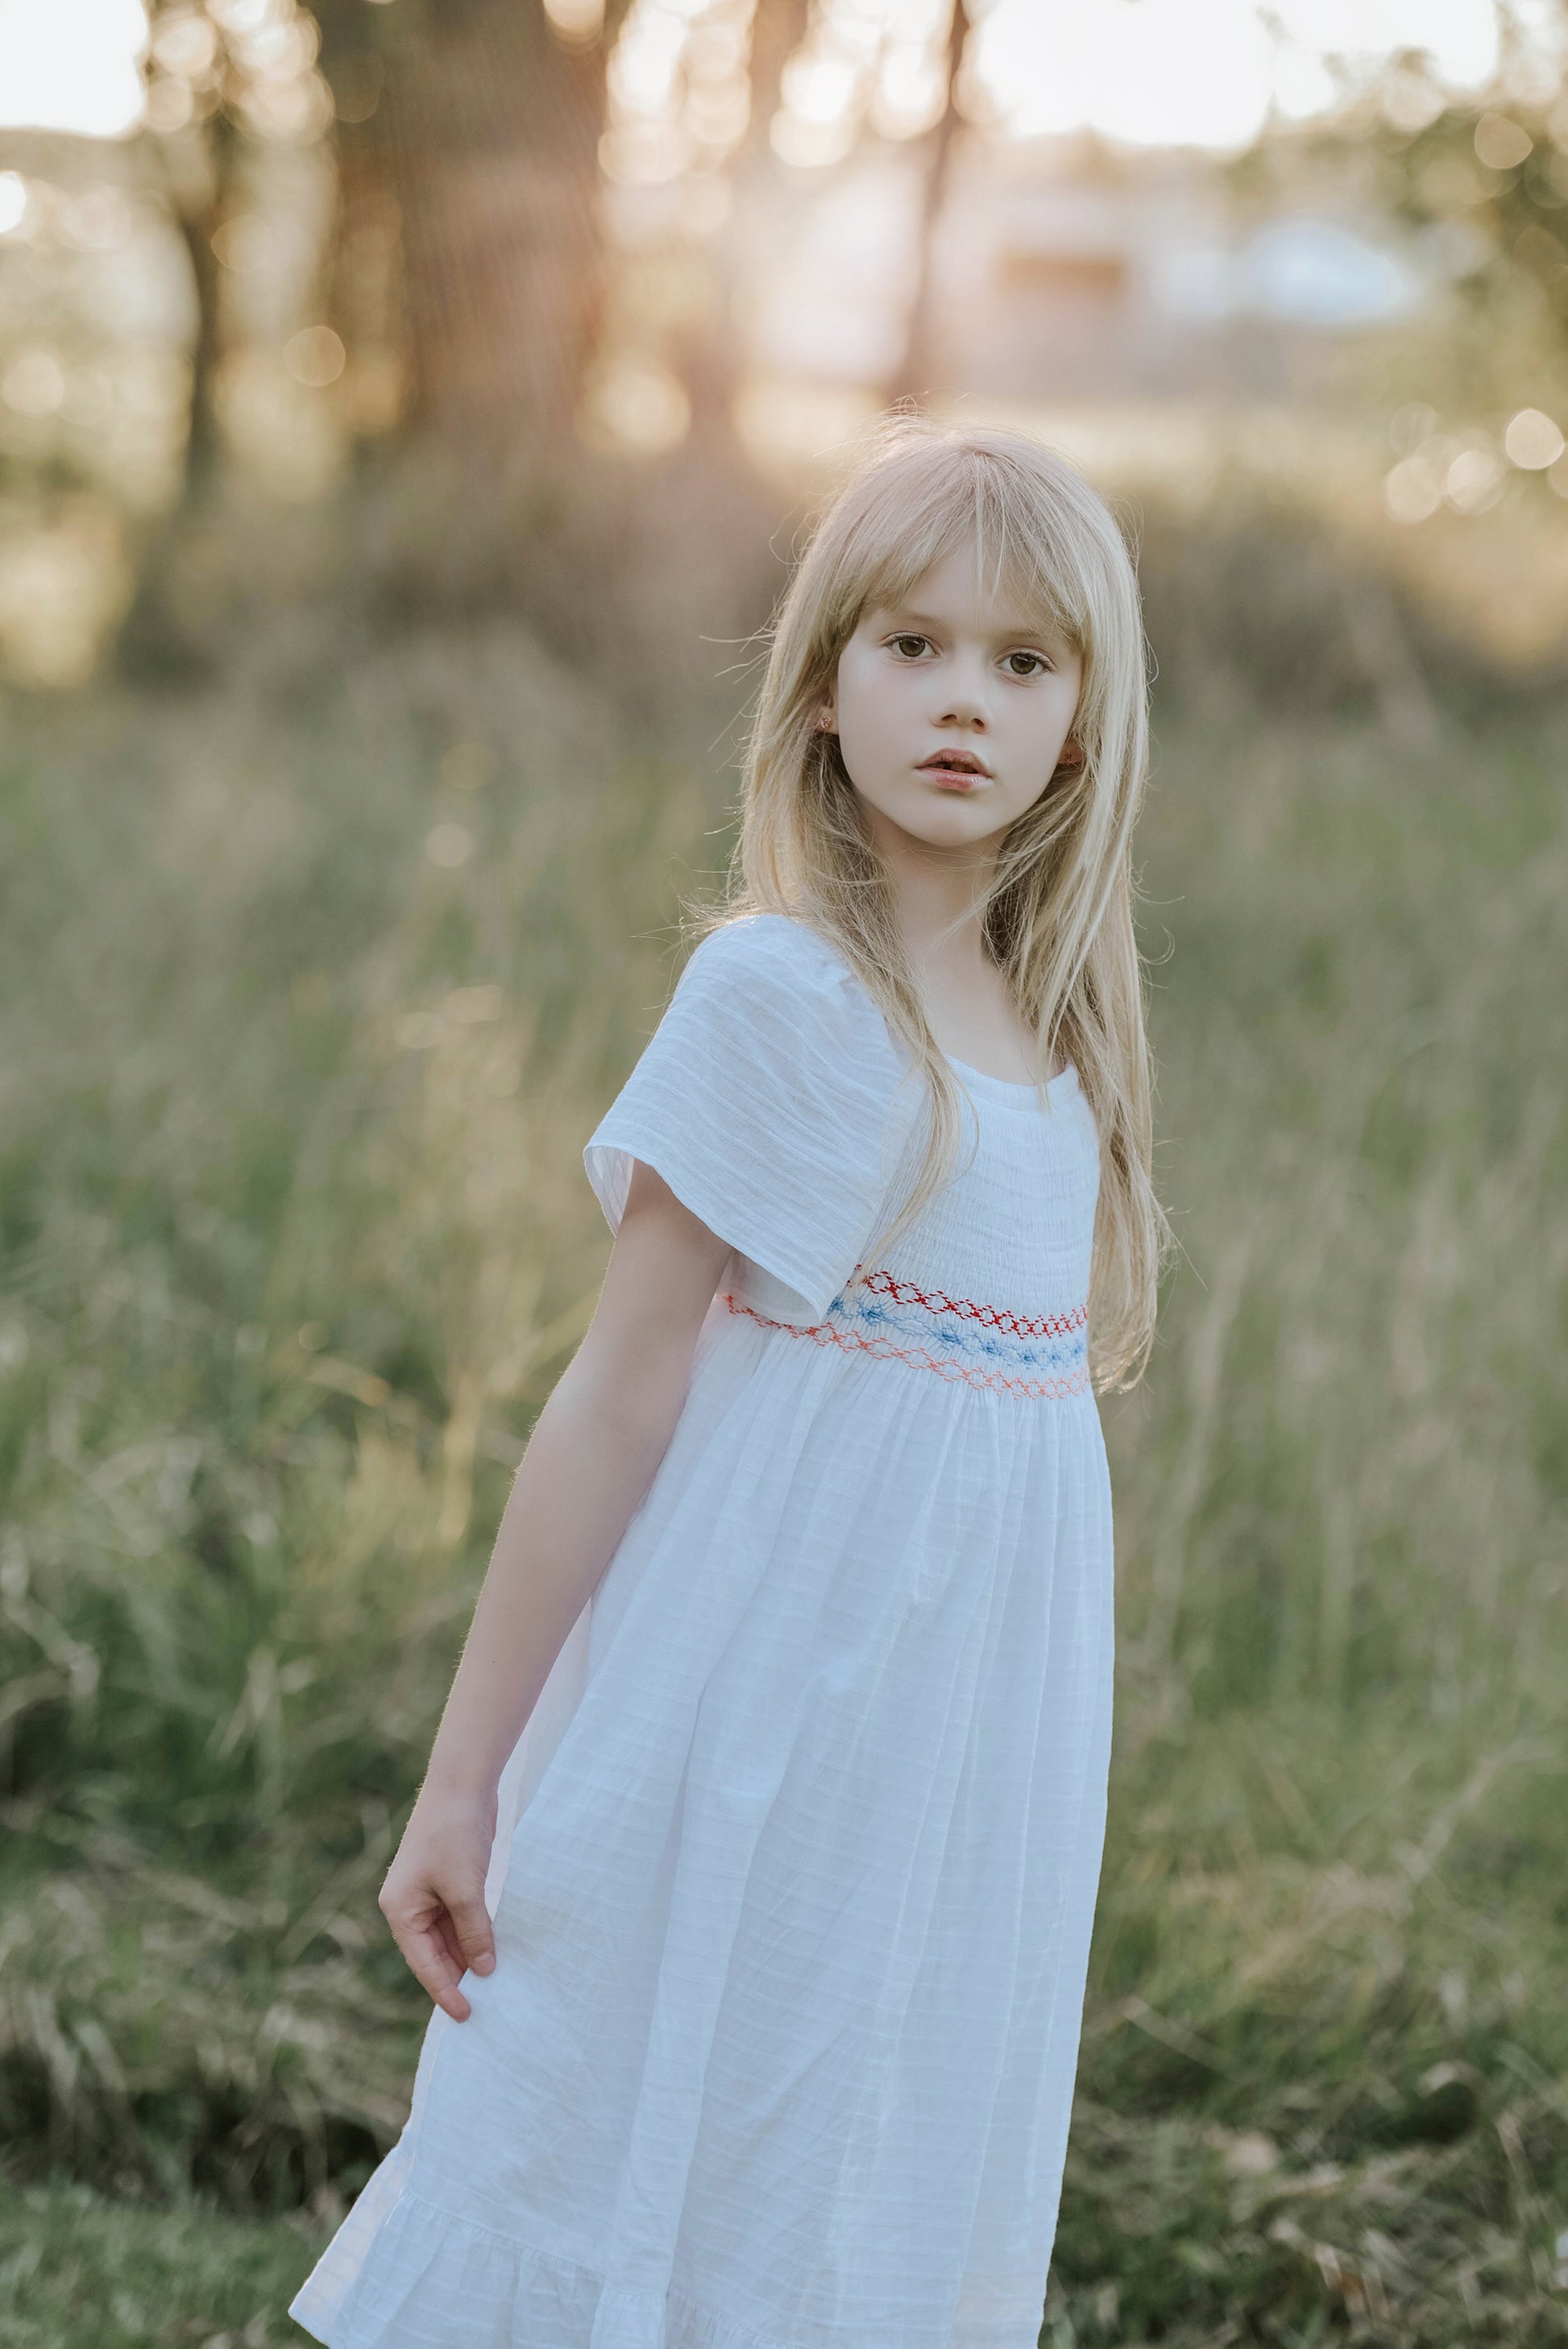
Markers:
(1058, 915)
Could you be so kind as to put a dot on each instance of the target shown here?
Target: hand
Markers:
(433, 1898)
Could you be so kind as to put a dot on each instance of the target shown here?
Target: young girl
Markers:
(803, 1592)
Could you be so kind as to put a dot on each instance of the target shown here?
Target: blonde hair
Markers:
(1058, 915)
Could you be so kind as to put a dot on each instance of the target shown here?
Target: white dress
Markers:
(795, 1880)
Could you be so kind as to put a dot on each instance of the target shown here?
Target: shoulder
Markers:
(760, 954)
(780, 990)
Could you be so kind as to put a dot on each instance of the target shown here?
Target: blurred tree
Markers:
(1496, 181)
(1485, 181)
(474, 124)
(462, 274)
(923, 353)
(468, 283)
(216, 78)
(766, 198)
(714, 360)
(222, 82)
(483, 120)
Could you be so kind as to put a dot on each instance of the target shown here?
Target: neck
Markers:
(939, 895)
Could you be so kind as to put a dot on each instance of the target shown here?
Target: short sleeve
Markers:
(768, 1099)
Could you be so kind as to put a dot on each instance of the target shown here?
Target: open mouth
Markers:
(956, 766)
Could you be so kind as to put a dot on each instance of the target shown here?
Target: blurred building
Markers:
(1062, 277)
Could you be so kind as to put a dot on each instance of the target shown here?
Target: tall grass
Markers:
(1325, 2062)
(295, 1238)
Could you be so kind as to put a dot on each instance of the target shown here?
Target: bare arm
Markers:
(592, 1457)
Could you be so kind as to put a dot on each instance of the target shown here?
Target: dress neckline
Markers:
(1005, 1086)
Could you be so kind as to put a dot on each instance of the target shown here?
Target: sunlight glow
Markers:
(1150, 72)
(72, 66)
(678, 96)
(881, 58)
(1205, 73)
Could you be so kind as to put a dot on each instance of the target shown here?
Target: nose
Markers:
(963, 691)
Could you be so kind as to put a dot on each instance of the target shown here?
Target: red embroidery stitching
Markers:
(885, 1284)
(994, 1317)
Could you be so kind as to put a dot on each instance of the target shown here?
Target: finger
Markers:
(475, 1938)
(450, 1944)
(432, 1962)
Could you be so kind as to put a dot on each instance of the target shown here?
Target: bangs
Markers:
(946, 498)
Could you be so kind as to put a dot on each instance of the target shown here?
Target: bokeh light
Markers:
(1533, 440)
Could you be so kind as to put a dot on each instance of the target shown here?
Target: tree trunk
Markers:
(198, 225)
(491, 128)
(156, 637)
(715, 362)
(919, 372)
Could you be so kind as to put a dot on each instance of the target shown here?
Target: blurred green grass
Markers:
(78, 2267)
(305, 1024)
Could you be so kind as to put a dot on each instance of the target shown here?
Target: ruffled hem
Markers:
(436, 2280)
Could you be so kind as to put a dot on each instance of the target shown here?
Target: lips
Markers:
(954, 762)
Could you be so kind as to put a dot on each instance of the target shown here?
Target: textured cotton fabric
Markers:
(797, 1864)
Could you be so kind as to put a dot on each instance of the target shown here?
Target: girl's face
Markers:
(953, 711)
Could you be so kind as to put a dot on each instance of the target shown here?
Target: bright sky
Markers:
(70, 65)
(1202, 72)
(1199, 72)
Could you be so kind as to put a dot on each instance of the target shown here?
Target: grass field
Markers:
(308, 1011)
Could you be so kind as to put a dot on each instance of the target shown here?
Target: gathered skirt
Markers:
(793, 1920)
